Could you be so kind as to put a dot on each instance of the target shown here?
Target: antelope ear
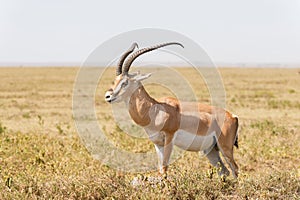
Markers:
(141, 77)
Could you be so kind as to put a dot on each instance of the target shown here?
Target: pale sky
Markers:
(231, 31)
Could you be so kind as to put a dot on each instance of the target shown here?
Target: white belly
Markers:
(192, 142)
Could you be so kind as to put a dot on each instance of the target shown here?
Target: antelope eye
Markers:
(125, 83)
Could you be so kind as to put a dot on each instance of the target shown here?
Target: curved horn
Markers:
(130, 60)
(123, 57)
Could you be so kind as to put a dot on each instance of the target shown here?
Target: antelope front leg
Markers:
(160, 155)
(168, 148)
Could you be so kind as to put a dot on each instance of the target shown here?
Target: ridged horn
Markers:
(123, 57)
(130, 60)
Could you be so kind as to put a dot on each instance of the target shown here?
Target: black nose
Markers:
(107, 96)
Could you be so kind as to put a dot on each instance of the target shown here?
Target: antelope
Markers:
(191, 126)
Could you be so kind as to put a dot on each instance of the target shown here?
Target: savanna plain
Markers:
(43, 157)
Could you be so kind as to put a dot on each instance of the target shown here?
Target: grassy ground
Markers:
(42, 156)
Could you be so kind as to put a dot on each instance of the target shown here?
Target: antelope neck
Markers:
(139, 105)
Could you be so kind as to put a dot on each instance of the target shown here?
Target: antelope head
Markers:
(125, 83)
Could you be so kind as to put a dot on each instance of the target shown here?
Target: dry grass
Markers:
(42, 157)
